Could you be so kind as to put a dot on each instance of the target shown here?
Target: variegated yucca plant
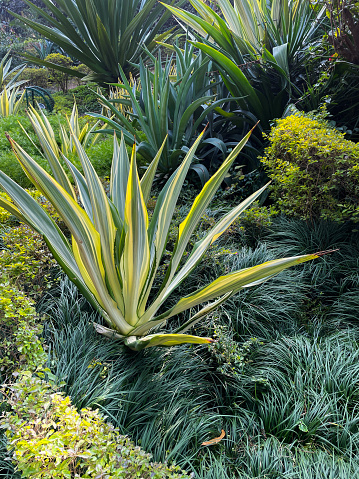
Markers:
(47, 137)
(116, 251)
(10, 101)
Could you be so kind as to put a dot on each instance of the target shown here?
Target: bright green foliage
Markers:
(86, 100)
(52, 439)
(25, 259)
(315, 170)
(117, 250)
(60, 78)
(19, 330)
(36, 76)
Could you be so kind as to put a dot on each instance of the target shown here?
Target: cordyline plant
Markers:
(116, 251)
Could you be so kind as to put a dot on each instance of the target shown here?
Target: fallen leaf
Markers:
(215, 440)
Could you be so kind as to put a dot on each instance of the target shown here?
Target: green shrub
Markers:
(52, 439)
(60, 78)
(25, 260)
(315, 171)
(82, 69)
(36, 76)
(86, 100)
(10, 166)
(20, 346)
(100, 156)
(255, 221)
(229, 356)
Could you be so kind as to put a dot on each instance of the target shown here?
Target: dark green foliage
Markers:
(100, 155)
(36, 77)
(101, 34)
(86, 100)
(59, 78)
(281, 381)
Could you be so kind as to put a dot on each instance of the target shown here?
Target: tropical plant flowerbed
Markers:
(179, 250)
(274, 394)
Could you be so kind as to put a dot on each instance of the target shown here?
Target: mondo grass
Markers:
(290, 410)
(291, 237)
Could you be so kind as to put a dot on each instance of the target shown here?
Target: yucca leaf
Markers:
(44, 63)
(187, 226)
(104, 224)
(189, 18)
(201, 246)
(235, 74)
(234, 282)
(11, 208)
(167, 340)
(87, 238)
(119, 175)
(36, 217)
(81, 186)
(202, 313)
(147, 178)
(46, 136)
(135, 260)
(162, 215)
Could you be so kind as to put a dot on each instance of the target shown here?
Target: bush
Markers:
(255, 221)
(19, 331)
(100, 156)
(26, 260)
(86, 100)
(52, 439)
(82, 69)
(314, 168)
(59, 78)
(36, 76)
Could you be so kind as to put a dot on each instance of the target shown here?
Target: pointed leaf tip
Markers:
(319, 254)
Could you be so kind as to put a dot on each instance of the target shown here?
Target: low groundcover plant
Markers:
(116, 250)
(50, 438)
